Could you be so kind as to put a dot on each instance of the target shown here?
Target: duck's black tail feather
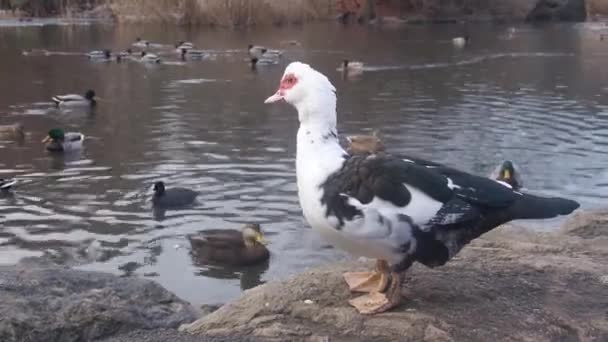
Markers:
(535, 207)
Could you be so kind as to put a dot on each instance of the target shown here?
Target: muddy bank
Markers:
(512, 285)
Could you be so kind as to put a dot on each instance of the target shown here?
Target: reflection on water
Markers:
(536, 95)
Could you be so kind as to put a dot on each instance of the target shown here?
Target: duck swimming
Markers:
(230, 247)
(59, 141)
(149, 57)
(6, 184)
(461, 42)
(351, 67)
(395, 210)
(508, 174)
(192, 54)
(140, 43)
(173, 197)
(15, 131)
(75, 100)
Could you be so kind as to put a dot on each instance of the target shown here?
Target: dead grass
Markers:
(221, 12)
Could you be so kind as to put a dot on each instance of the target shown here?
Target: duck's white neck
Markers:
(319, 153)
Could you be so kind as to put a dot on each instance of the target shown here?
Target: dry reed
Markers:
(221, 12)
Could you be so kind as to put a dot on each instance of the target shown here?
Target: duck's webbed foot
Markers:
(383, 299)
(377, 302)
(376, 281)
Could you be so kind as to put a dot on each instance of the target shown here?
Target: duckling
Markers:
(365, 144)
(15, 131)
(461, 42)
(230, 247)
(74, 100)
(172, 198)
(149, 57)
(6, 184)
(140, 43)
(507, 173)
(58, 141)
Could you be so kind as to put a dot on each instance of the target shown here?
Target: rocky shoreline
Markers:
(512, 284)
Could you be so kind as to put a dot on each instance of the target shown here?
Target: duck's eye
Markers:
(289, 81)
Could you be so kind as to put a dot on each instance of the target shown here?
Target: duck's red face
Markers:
(285, 86)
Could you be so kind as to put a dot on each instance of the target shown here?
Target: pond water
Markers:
(536, 95)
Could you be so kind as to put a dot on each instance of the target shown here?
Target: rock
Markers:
(509, 285)
(558, 10)
(58, 304)
(587, 224)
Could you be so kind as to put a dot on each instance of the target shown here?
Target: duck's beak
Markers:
(278, 96)
(46, 139)
(506, 174)
(259, 238)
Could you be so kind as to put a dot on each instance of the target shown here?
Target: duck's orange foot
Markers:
(369, 281)
(377, 302)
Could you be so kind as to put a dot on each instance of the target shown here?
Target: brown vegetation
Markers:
(222, 12)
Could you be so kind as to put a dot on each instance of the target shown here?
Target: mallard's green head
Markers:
(252, 234)
(55, 134)
(89, 95)
(159, 188)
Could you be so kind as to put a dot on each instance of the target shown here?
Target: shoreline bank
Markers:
(511, 284)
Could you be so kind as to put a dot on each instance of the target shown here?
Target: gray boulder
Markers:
(57, 304)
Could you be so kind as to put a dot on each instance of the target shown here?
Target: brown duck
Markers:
(230, 247)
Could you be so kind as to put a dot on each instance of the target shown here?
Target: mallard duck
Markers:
(461, 42)
(74, 100)
(192, 54)
(508, 174)
(6, 184)
(230, 247)
(351, 67)
(183, 45)
(15, 131)
(99, 54)
(149, 57)
(140, 43)
(58, 141)
(364, 144)
(172, 198)
(260, 55)
(380, 206)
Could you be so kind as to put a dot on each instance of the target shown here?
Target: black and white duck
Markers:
(172, 197)
(230, 247)
(394, 210)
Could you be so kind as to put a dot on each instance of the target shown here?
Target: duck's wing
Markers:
(68, 98)
(73, 137)
(395, 208)
(7, 183)
(218, 238)
(431, 196)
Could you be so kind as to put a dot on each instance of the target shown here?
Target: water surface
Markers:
(536, 95)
